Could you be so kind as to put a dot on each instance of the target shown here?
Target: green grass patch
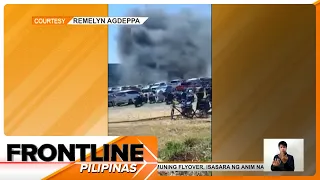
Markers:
(189, 150)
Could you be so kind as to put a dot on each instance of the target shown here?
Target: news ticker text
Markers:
(167, 167)
(210, 167)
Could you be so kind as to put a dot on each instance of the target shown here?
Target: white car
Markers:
(116, 89)
(138, 86)
(160, 84)
(125, 97)
(156, 86)
(176, 82)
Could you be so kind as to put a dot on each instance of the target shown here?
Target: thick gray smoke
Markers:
(166, 47)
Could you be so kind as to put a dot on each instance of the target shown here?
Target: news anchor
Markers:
(282, 161)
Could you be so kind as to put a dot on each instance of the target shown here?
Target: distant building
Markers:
(114, 74)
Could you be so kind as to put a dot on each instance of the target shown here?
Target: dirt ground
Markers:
(126, 120)
(131, 113)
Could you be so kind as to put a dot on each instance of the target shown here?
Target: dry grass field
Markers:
(178, 140)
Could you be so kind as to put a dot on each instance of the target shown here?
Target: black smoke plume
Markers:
(165, 47)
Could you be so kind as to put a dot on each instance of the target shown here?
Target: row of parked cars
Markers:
(126, 94)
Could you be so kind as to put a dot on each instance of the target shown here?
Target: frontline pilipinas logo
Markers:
(132, 157)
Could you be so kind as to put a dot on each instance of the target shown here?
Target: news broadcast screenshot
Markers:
(209, 90)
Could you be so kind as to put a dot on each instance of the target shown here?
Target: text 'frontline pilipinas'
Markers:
(108, 158)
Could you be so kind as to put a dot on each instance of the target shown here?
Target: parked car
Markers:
(193, 83)
(111, 98)
(176, 82)
(134, 88)
(146, 90)
(124, 88)
(166, 89)
(205, 81)
(139, 86)
(126, 97)
(157, 85)
(116, 89)
(111, 92)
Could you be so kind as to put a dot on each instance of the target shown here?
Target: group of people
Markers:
(185, 98)
(203, 97)
(203, 94)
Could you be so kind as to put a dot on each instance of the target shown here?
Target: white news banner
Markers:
(107, 20)
(210, 167)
